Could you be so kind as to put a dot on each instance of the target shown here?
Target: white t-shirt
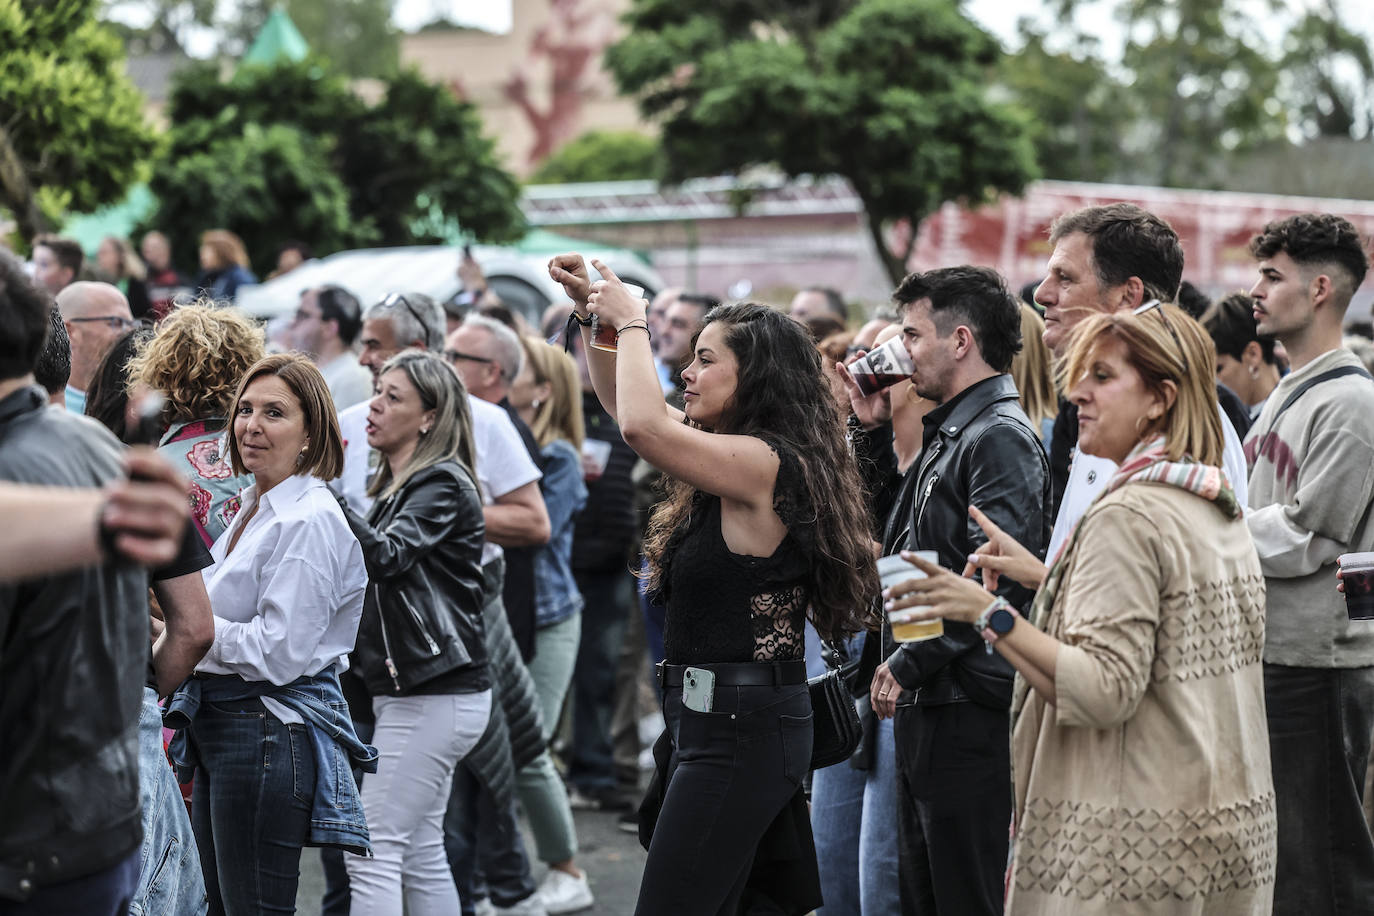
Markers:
(1089, 475)
(503, 464)
(287, 601)
(349, 383)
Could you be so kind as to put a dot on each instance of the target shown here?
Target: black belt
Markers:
(740, 674)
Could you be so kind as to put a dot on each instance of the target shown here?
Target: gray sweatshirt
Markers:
(1311, 484)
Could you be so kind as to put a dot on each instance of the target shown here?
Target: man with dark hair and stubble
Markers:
(949, 696)
(1311, 456)
(54, 367)
(1107, 259)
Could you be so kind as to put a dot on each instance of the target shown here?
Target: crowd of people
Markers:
(393, 580)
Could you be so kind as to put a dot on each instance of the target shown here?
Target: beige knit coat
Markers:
(1147, 788)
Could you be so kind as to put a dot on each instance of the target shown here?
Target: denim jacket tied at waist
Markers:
(336, 818)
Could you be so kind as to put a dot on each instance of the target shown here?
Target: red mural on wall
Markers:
(571, 40)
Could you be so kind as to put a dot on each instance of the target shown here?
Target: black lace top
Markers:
(724, 607)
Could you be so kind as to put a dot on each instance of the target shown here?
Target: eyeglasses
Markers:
(1156, 304)
(453, 356)
(391, 300)
(115, 322)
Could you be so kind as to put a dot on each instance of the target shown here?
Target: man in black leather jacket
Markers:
(949, 695)
(73, 649)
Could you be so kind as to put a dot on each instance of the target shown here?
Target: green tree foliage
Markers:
(602, 155)
(311, 160)
(356, 36)
(72, 134)
(891, 94)
(1082, 112)
(1328, 75)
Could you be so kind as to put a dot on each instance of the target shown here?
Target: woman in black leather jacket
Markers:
(420, 647)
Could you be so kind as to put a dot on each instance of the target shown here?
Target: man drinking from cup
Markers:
(949, 696)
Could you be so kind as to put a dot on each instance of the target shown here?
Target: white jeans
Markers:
(420, 740)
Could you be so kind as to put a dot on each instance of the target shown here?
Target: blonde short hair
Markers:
(196, 358)
(324, 454)
(1165, 347)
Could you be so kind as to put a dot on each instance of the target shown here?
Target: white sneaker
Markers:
(562, 893)
(530, 906)
(485, 907)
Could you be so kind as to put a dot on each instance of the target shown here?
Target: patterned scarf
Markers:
(1147, 462)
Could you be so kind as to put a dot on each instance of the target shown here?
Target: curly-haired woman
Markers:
(764, 525)
(195, 361)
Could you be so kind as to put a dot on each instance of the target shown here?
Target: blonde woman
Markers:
(547, 394)
(1033, 371)
(1139, 741)
(421, 649)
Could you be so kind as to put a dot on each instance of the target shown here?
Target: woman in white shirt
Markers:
(270, 738)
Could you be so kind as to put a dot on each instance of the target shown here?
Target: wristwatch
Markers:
(996, 621)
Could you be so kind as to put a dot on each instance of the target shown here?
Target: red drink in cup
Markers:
(1357, 577)
(882, 368)
(603, 335)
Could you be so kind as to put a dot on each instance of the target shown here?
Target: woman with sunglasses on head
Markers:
(764, 526)
(1139, 745)
(421, 648)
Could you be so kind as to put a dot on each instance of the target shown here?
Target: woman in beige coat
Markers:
(1139, 748)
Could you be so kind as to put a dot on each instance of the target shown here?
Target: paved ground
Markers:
(611, 858)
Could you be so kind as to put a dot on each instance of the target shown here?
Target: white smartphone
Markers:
(698, 689)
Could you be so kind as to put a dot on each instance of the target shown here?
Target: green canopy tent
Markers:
(279, 40)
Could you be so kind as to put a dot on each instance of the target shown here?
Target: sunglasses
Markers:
(454, 356)
(1156, 304)
(394, 298)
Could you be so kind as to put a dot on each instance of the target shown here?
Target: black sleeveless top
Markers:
(725, 607)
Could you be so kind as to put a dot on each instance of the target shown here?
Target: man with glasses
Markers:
(95, 315)
(326, 324)
(1107, 259)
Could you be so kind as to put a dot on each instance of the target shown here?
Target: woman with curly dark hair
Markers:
(764, 526)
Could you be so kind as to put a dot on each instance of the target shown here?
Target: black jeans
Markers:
(953, 808)
(731, 772)
(105, 893)
(1320, 721)
(609, 599)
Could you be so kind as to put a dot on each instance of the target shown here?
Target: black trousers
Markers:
(954, 808)
(732, 771)
(1320, 724)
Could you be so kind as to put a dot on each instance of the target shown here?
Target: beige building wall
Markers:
(541, 84)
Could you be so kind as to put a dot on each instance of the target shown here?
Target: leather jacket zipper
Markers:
(386, 643)
(420, 625)
(935, 449)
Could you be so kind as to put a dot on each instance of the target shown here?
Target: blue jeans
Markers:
(250, 808)
(170, 879)
(105, 893)
(854, 818)
(609, 598)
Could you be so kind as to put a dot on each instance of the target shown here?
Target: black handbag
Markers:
(836, 727)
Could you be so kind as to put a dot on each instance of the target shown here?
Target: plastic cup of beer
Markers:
(603, 334)
(1357, 577)
(596, 454)
(893, 569)
(882, 367)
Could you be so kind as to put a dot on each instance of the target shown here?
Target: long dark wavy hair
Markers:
(781, 396)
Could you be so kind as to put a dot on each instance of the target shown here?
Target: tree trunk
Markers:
(16, 193)
(894, 263)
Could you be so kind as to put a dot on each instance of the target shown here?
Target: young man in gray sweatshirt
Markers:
(1311, 458)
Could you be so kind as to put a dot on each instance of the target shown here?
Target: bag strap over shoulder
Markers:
(1328, 375)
